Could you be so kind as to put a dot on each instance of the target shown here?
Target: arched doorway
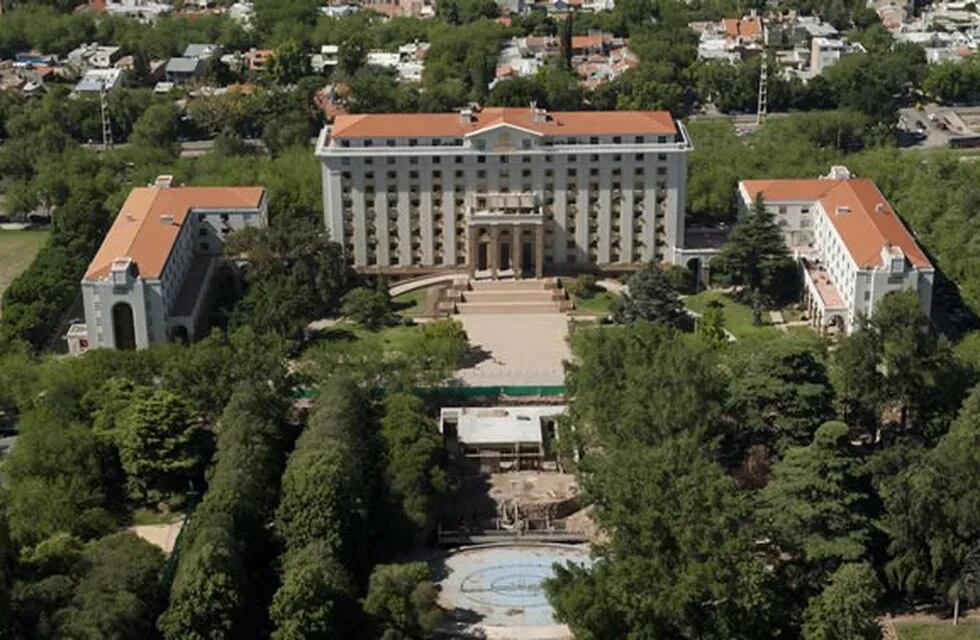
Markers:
(694, 266)
(123, 327)
(179, 333)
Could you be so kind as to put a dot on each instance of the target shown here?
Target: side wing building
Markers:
(150, 279)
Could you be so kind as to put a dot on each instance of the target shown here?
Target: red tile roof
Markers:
(747, 28)
(869, 224)
(142, 234)
(568, 123)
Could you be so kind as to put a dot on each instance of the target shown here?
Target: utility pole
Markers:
(760, 115)
(106, 123)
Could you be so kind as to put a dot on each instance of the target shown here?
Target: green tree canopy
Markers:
(847, 607)
(403, 600)
(415, 479)
(650, 298)
(316, 598)
(816, 505)
(162, 447)
(756, 257)
(779, 394)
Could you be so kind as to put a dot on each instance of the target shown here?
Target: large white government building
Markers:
(505, 191)
(853, 248)
(150, 279)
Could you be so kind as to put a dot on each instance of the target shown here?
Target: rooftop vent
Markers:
(839, 172)
(841, 210)
(880, 207)
(466, 116)
(167, 219)
(164, 181)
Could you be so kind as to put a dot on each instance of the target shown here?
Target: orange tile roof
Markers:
(587, 42)
(869, 226)
(747, 28)
(139, 232)
(409, 125)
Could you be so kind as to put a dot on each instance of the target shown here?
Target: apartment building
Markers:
(505, 191)
(149, 280)
(853, 248)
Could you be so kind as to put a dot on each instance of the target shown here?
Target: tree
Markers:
(316, 598)
(370, 308)
(895, 363)
(756, 257)
(780, 394)
(711, 325)
(352, 54)
(403, 600)
(620, 398)
(55, 480)
(208, 594)
(650, 298)
(289, 63)
(330, 485)
(118, 596)
(931, 512)
(162, 447)
(847, 607)
(156, 128)
(816, 505)
(295, 274)
(412, 455)
(677, 563)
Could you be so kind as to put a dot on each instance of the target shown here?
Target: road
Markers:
(188, 148)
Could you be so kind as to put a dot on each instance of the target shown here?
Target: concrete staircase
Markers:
(508, 297)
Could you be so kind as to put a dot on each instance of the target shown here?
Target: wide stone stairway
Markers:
(507, 297)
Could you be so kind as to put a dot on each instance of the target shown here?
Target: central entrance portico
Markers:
(506, 236)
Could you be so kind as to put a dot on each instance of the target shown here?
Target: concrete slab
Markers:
(523, 349)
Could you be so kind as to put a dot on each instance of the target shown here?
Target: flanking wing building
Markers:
(150, 280)
(505, 191)
(853, 248)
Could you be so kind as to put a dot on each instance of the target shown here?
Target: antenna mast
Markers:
(760, 116)
(106, 123)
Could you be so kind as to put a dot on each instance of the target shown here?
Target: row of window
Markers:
(503, 159)
(480, 143)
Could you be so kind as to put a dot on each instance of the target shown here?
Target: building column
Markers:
(493, 253)
(515, 249)
(539, 251)
(471, 248)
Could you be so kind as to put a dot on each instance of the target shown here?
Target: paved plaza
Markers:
(521, 349)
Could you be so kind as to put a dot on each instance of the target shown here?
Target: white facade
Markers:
(132, 304)
(402, 201)
(826, 52)
(853, 248)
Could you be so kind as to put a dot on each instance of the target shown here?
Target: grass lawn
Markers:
(599, 304)
(148, 516)
(394, 338)
(937, 631)
(738, 316)
(412, 303)
(17, 250)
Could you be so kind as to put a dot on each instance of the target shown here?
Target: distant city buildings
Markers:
(99, 80)
(853, 248)
(596, 57)
(150, 279)
(408, 61)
